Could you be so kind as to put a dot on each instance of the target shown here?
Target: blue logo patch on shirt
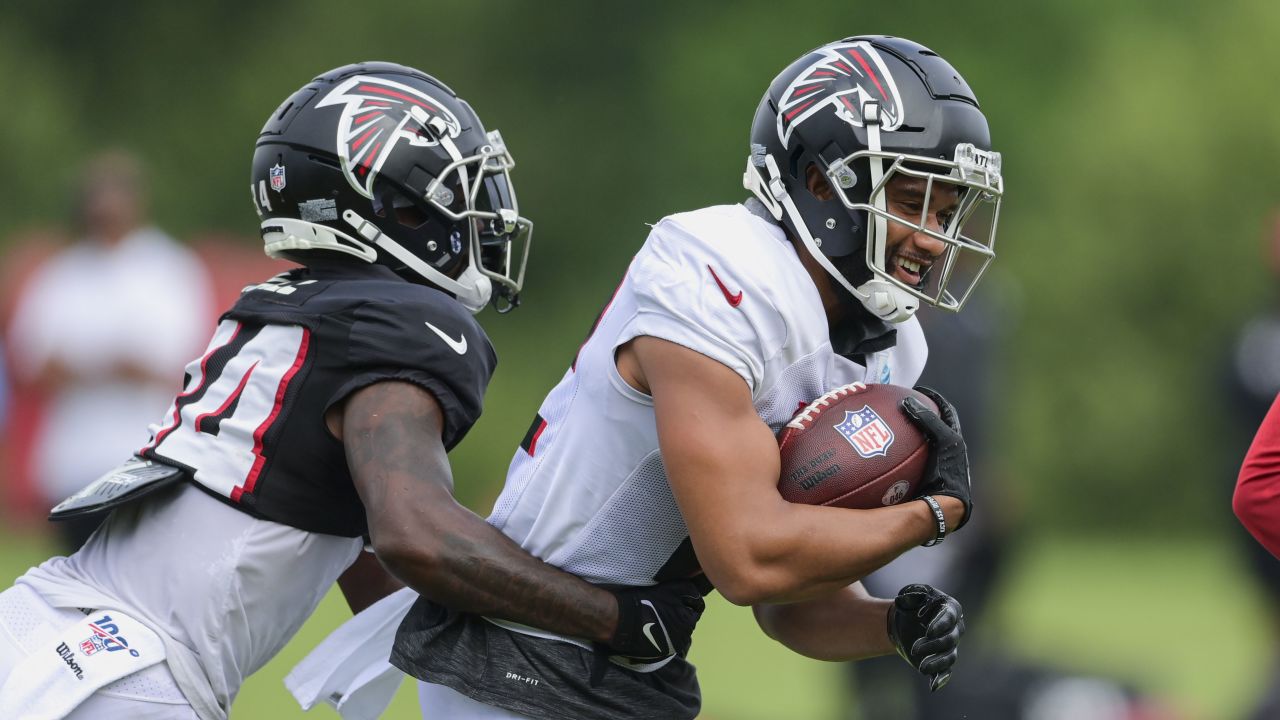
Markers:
(106, 636)
(866, 431)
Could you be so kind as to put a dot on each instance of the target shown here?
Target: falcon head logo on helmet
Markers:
(845, 76)
(387, 165)
(378, 114)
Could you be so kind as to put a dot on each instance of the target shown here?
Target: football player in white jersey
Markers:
(654, 458)
(318, 420)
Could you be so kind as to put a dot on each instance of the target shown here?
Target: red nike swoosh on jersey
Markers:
(734, 300)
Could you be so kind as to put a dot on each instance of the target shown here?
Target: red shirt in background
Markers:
(1257, 497)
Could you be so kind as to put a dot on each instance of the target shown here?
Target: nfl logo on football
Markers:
(866, 432)
(277, 177)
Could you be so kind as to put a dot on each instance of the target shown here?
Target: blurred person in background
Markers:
(24, 506)
(4, 396)
(100, 330)
(318, 420)
(1253, 383)
(1256, 501)
(6, 471)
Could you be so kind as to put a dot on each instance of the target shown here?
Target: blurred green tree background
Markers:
(1141, 143)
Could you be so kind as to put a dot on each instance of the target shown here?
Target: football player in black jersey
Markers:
(317, 420)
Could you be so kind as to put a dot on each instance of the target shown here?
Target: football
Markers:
(854, 448)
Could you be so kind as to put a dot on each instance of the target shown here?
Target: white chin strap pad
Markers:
(474, 290)
(887, 301)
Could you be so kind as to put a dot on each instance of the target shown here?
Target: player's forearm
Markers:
(847, 624)
(443, 551)
(802, 552)
(463, 562)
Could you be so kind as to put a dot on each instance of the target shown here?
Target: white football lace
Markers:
(804, 417)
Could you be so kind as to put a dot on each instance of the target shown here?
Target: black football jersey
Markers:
(249, 423)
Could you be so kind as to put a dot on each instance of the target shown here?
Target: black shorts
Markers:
(534, 676)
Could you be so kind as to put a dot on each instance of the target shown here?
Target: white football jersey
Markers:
(587, 491)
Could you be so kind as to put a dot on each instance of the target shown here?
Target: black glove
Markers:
(947, 472)
(925, 625)
(654, 623)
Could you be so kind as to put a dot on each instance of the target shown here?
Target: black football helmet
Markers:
(863, 110)
(386, 164)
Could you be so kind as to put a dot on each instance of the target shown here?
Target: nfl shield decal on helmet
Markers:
(866, 432)
(277, 177)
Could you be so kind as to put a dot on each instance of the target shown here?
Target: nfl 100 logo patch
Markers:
(106, 636)
(866, 432)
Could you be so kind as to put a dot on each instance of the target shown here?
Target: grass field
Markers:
(1176, 618)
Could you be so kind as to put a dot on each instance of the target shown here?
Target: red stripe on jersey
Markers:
(259, 459)
(235, 395)
(177, 407)
(533, 443)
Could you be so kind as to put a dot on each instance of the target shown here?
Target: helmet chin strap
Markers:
(471, 288)
(884, 299)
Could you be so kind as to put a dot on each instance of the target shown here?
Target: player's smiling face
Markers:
(909, 253)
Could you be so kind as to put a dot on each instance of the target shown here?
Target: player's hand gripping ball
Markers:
(854, 448)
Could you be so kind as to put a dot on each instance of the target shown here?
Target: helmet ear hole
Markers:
(817, 184)
(405, 211)
(411, 216)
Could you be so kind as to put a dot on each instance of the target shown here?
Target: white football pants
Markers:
(150, 694)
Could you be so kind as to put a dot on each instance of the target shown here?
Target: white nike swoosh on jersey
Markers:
(648, 632)
(459, 346)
